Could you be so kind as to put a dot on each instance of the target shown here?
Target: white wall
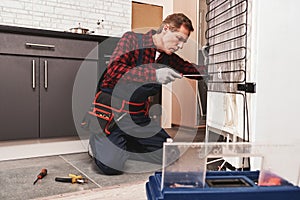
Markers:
(62, 15)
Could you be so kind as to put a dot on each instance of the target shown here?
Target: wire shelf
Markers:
(226, 35)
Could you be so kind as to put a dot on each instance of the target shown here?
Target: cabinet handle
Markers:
(33, 74)
(46, 74)
(41, 46)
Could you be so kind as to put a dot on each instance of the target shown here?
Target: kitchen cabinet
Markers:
(37, 75)
(56, 117)
(19, 100)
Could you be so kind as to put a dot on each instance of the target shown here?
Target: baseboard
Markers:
(12, 150)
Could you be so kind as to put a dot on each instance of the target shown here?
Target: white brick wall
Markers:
(60, 15)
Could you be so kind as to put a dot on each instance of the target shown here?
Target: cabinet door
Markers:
(56, 87)
(19, 96)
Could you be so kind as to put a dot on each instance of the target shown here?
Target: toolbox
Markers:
(188, 177)
(222, 186)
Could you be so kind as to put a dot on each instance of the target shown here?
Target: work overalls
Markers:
(136, 136)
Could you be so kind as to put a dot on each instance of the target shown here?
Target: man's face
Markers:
(174, 40)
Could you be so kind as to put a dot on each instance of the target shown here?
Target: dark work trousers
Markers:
(136, 137)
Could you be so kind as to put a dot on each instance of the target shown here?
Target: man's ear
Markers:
(166, 27)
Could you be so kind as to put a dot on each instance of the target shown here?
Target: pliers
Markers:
(72, 179)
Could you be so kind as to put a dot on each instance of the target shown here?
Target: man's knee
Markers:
(106, 169)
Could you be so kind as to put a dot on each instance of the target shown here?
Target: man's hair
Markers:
(175, 21)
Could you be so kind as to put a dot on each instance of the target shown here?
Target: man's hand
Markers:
(166, 75)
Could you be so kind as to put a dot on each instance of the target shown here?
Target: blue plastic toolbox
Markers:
(220, 185)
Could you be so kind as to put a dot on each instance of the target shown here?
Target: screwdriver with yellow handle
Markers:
(41, 175)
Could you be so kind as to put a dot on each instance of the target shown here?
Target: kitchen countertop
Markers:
(51, 33)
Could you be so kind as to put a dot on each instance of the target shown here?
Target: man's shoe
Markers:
(90, 152)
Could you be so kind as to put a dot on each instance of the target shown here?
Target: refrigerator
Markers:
(253, 67)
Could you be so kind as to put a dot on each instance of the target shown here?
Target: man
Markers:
(139, 65)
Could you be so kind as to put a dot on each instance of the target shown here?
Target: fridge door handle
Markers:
(33, 74)
(45, 74)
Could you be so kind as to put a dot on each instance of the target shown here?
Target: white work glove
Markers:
(205, 52)
(166, 75)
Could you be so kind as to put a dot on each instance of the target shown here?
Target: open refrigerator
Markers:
(252, 105)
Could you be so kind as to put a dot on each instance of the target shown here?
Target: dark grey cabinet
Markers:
(19, 98)
(36, 84)
(56, 87)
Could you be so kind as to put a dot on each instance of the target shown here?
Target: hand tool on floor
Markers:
(72, 179)
(41, 175)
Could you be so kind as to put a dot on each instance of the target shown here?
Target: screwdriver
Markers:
(41, 175)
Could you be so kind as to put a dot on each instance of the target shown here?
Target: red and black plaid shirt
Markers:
(125, 56)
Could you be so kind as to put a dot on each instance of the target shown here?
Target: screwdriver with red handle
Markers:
(41, 175)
